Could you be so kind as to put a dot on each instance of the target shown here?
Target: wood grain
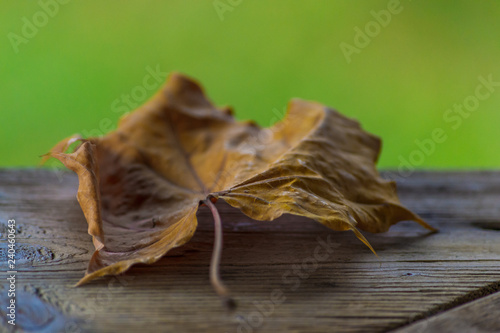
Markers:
(416, 276)
(477, 316)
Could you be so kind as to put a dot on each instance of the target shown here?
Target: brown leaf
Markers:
(141, 185)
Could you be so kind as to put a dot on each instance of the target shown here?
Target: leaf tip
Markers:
(81, 282)
(59, 148)
(364, 240)
(426, 225)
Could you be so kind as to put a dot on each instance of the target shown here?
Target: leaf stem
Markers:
(215, 279)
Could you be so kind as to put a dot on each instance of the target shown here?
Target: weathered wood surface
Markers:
(476, 316)
(417, 277)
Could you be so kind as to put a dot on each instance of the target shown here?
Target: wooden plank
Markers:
(416, 275)
(481, 315)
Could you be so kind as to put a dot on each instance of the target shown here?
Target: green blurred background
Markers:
(255, 56)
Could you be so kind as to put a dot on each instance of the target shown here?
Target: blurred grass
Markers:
(64, 80)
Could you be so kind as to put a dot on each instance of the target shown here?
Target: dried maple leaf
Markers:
(141, 185)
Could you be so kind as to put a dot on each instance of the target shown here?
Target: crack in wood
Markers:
(469, 297)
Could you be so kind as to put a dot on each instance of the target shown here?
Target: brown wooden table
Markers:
(283, 276)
